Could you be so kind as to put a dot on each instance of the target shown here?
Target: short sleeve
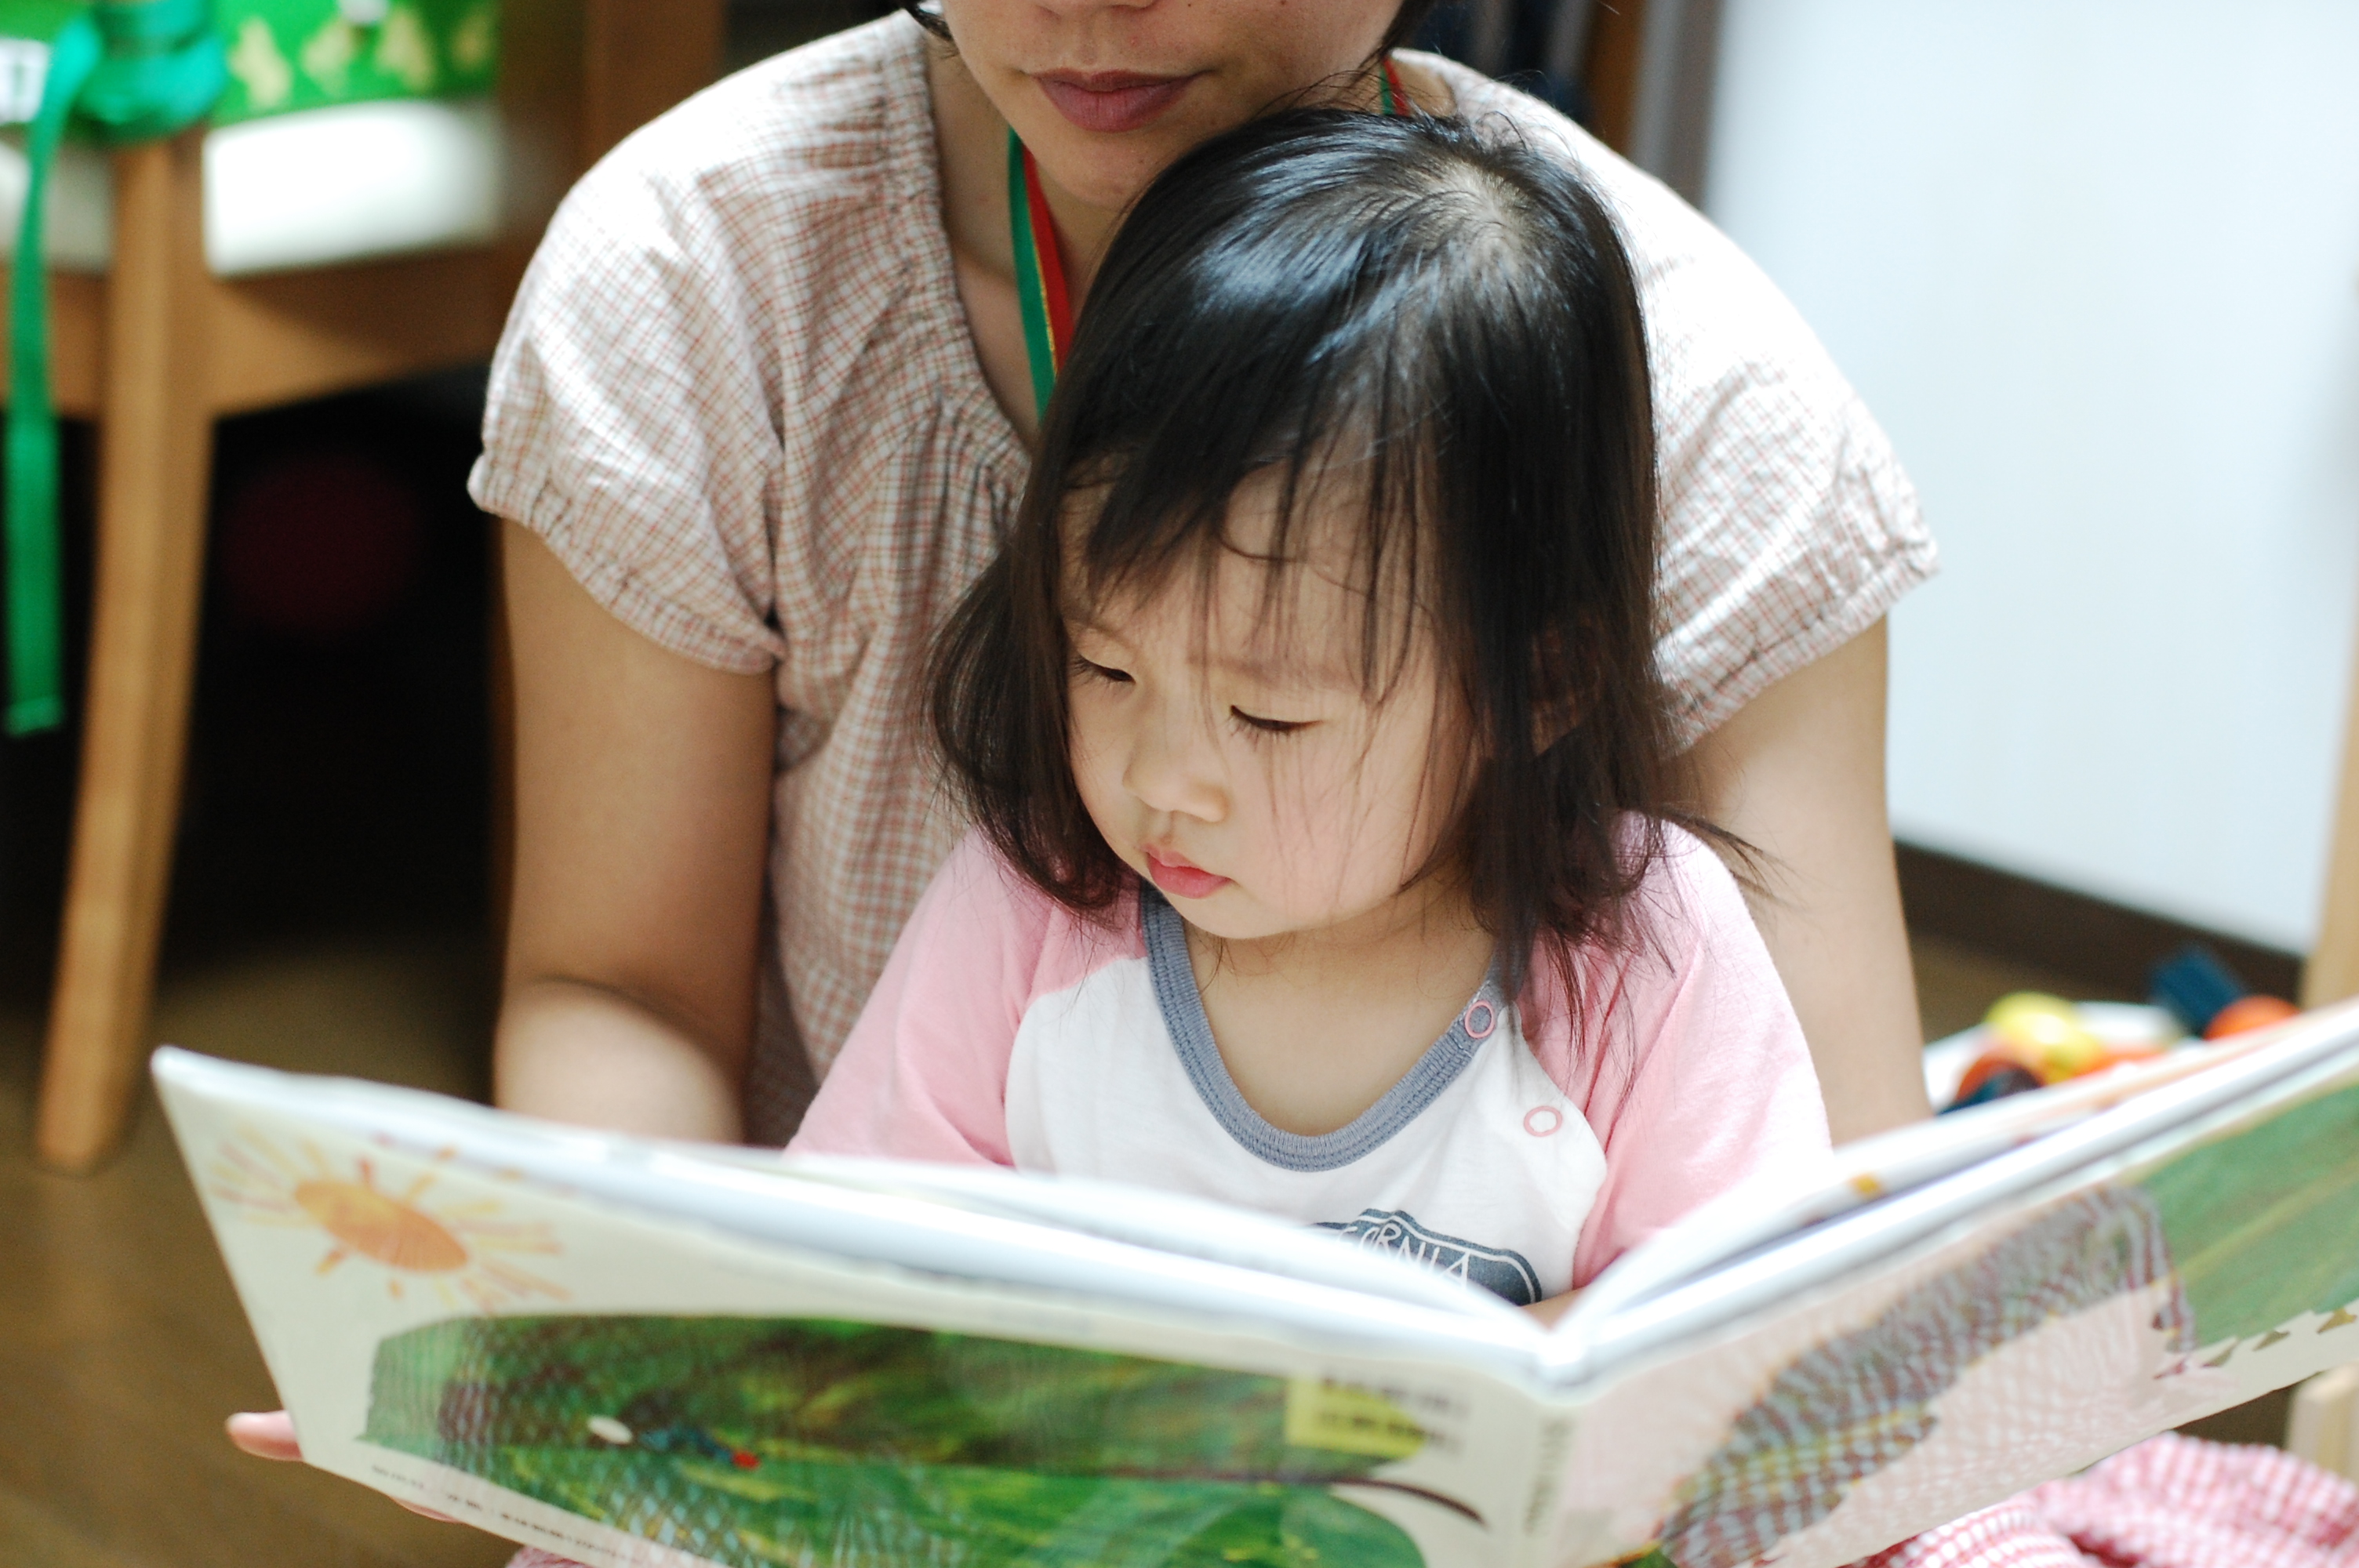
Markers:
(1788, 528)
(924, 1075)
(629, 423)
(1703, 1085)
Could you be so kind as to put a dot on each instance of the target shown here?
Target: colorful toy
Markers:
(2212, 999)
(2045, 1033)
(2250, 1013)
(1992, 1076)
(2031, 1039)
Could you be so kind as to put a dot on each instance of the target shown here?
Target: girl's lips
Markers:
(1111, 102)
(1188, 882)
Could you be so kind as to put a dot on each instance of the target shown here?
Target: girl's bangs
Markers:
(1317, 463)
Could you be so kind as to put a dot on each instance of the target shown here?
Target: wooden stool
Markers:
(157, 351)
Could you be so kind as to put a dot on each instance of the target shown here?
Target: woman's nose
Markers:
(1173, 767)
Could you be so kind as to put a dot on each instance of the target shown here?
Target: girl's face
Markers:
(1227, 747)
(1106, 92)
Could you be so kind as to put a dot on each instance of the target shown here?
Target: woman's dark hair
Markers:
(1409, 19)
(1437, 325)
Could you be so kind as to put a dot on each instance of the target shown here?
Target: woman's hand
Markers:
(271, 1435)
(266, 1435)
(1798, 773)
(643, 819)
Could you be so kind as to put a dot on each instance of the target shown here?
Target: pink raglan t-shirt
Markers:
(1010, 1031)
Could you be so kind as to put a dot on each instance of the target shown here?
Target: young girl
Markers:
(1311, 729)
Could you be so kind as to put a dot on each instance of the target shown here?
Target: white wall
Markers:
(2094, 264)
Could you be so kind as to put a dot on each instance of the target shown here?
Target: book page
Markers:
(1172, 1222)
(2148, 1281)
(628, 1388)
(1747, 1254)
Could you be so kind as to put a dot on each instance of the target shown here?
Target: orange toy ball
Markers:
(2250, 1012)
(1988, 1065)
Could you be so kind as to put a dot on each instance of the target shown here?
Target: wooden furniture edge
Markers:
(2332, 973)
(154, 457)
(2322, 1425)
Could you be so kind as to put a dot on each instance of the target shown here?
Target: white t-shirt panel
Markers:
(1477, 1163)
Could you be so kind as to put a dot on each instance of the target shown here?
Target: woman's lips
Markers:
(1111, 102)
(1188, 882)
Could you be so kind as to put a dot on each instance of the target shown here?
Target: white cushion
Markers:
(313, 188)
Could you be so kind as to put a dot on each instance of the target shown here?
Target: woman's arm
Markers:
(643, 812)
(1798, 773)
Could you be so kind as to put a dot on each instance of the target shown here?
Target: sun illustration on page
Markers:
(458, 1249)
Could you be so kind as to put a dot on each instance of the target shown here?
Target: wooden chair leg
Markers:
(2332, 973)
(156, 454)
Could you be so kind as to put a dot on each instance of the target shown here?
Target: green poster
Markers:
(286, 55)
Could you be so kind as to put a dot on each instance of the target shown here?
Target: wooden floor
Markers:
(121, 1344)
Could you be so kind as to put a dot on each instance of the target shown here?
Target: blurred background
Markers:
(2094, 265)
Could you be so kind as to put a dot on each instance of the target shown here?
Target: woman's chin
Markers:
(1106, 173)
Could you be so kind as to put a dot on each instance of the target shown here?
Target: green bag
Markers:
(130, 71)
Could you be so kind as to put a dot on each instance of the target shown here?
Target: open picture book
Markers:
(632, 1352)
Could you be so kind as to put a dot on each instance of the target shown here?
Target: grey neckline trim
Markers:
(1191, 1035)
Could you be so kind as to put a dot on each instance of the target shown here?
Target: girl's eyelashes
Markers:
(1083, 667)
(1254, 726)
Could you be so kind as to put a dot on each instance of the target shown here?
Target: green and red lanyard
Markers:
(1048, 304)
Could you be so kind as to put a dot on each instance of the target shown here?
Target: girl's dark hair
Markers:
(1411, 18)
(1437, 325)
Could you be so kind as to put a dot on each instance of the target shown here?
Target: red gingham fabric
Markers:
(738, 399)
(2173, 1502)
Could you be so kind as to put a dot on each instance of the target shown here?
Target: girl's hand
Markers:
(271, 1435)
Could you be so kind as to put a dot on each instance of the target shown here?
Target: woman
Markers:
(763, 411)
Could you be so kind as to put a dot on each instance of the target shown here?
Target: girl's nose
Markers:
(1173, 767)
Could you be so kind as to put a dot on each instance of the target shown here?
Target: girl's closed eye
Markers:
(1089, 669)
(1253, 724)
